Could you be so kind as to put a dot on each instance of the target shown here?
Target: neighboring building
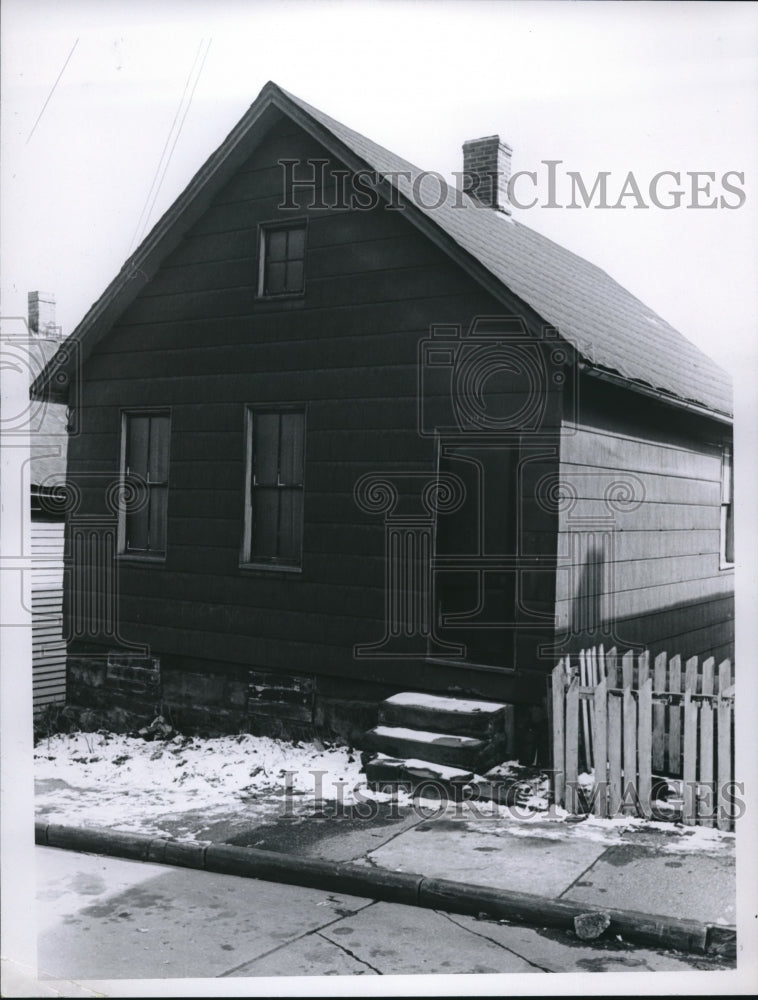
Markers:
(48, 477)
(278, 390)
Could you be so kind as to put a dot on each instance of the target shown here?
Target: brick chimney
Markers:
(487, 169)
(41, 313)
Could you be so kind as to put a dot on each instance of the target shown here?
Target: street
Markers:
(109, 918)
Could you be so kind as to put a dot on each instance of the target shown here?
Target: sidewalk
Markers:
(668, 888)
(103, 918)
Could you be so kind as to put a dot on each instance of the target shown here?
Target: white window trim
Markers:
(247, 561)
(727, 505)
(123, 553)
(263, 230)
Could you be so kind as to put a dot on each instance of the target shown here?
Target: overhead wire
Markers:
(170, 144)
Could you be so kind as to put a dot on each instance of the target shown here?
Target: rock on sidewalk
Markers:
(591, 925)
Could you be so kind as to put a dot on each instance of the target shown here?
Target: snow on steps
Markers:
(437, 748)
(394, 769)
(434, 729)
(385, 773)
(441, 714)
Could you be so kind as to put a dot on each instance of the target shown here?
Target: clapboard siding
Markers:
(625, 601)
(198, 340)
(48, 644)
(631, 545)
(639, 528)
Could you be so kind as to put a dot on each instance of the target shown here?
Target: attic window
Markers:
(282, 259)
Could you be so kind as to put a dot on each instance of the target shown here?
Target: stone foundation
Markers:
(198, 697)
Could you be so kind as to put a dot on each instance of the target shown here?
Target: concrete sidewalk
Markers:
(102, 918)
(672, 889)
(676, 874)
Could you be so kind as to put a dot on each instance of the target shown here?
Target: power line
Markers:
(52, 91)
(170, 145)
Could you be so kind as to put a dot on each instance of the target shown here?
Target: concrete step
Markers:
(441, 714)
(379, 767)
(465, 752)
(441, 781)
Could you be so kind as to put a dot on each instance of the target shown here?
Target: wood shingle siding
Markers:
(198, 340)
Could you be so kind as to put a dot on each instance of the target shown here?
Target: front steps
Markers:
(423, 730)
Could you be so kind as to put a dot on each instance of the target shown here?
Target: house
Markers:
(48, 441)
(343, 433)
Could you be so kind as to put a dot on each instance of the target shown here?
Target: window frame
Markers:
(248, 560)
(154, 557)
(265, 229)
(726, 520)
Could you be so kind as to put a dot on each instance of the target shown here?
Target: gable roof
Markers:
(613, 331)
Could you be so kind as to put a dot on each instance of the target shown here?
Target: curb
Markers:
(394, 887)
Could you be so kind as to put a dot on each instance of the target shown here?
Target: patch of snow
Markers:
(508, 769)
(190, 787)
(421, 736)
(127, 783)
(443, 771)
(443, 704)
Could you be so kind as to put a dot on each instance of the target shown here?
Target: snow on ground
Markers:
(207, 789)
(128, 783)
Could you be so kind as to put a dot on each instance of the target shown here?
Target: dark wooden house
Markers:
(342, 430)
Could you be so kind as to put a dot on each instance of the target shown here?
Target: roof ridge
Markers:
(609, 326)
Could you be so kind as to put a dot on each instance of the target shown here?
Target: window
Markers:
(274, 488)
(282, 258)
(144, 462)
(727, 508)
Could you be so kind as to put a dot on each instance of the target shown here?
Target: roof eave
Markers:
(165, 234)
(668, 398)
(192, 202)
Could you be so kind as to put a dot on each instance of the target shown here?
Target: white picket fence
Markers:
(628, 727)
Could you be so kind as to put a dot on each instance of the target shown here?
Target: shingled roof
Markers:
(613, 331)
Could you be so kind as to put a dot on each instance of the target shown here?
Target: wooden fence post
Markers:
(585, 680)
(689, 772)
(559, 746)
(706, 747)
(614, 736)
(675, 715)
(611, 671)
(601, 663)
(724, 759)
(645, 745)
(643, 667)
(600, 746)
(572, 744)
(630, 731)
(659, 715)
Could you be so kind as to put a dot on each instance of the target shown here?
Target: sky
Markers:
(96, 95)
